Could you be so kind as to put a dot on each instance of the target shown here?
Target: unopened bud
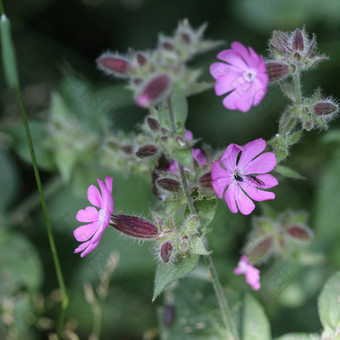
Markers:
(147, 150)
(186, 38)
(277, 70)
(205, 180)
(127, 149)
(259, 251)
(166, 250)
(299, 233)
(153, 123)
(134, 226)
(113, 64)
(298, 42)
(325, 108)
(163, 163)
(141, 58)
(168, 184)
(279, 43)
(167, 45)
(154, 90)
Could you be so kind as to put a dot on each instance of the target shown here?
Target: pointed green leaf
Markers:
(206, 209)
(167, 273)
(180, 107)
(197, 247)
(200, 87)
(164, 115)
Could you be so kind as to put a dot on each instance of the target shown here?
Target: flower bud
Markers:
(259, 250)
(141, 58)
(298, 40)
(167, 45)
(277, 70)
(154, 90)
(147, 150)
(168, 184)
(153, 123)
(114, 64)
(299, 233)
(166, 250)
(205, 180)
(186, 38)
(184, 243)
(127, 149)
(134, 226)
(325, 108)
(279, 44)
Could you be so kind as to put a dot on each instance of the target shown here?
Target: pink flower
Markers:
(251, 273)
(197, 155)
(244, 77)
(241, 175)
(97, 221)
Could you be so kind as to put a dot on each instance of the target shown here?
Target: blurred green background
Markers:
(57, 43)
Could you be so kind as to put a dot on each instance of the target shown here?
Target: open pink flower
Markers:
(244, 77)
(197, 155)
(98, 221)
(241, 175)
(251, 273)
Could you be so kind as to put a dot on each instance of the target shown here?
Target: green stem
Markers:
(64, 301)
(222, 301)
(297, 86)
(2, 11)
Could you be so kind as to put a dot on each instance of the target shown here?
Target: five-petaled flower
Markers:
(241, 175)
(251, 273)
(244, 77)
(98, 221)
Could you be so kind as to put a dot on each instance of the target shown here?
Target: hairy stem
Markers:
(222, 301)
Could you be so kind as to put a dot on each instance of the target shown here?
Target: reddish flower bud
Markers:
(205, 180)
(147, 150)
(166, 250)
(298, 41)
(279, 43)
(141, 59)
(154, 90)
(325, 108)
(113, 64)
(163, 163)
(277, 70)
(153, 123)
(134, 226)
(300, 233)
(167, 45)
(260, 250)
(168, 184)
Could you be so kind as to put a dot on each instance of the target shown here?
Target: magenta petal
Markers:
(107, 202)
(84, 232)
(250, 151)
(261, 164)
(268, 180)
(233, 59)
(256, 194)
(253, 278)
(108, 183)
(199, 157)
(94, 197)
(230, 197)
(82, 247)
(229, 156)
(89, 214)
(258, 91)
(227, 83)
(218, 172)
(188, 135)
(244, 203)
(93, 243)
(219, 70)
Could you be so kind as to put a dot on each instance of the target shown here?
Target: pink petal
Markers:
(219, 70)
(242, 51)
(199, 157)
(82, 247)
(108, 183)
(218, 172)
(258, 91)
(84, 232)
(268, 180)
(261, 164)
(253, 278)
(107, 202)
(94, 197)
(240, 99)
(228, 83)
(229, 156)
(188, 135)
(255, 61)
(250, 151)
(94, 242)
(89, 214)
(244, 203)
(233, 59)
(256, 194)
(230, 197)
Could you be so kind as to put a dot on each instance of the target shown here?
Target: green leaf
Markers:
(164, 115)
(8, 53)
(180, 107)
(183, 156)
(329, 303)
(200, 87)
(167, 273)
(197, 247)
(206, 209)
(288, 172)
(255, 325)
(299, 336)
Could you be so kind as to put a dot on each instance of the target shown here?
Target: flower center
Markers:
(237, 176)
(249, 75)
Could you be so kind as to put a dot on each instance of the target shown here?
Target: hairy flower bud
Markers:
(299, 233)
(205, 180)
(113, 64)
(258, 251)
(325, 108)
(168, 184)
(154, 90)
(147, 150)
(141, 58)
(279, 43)
(153, 123)
(166, 250)
(134, 226)
(277, 70)
(298, 40)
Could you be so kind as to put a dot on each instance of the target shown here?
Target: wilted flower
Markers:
(244, 77)
(251, 273)
(97, 221)
(242, 177)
